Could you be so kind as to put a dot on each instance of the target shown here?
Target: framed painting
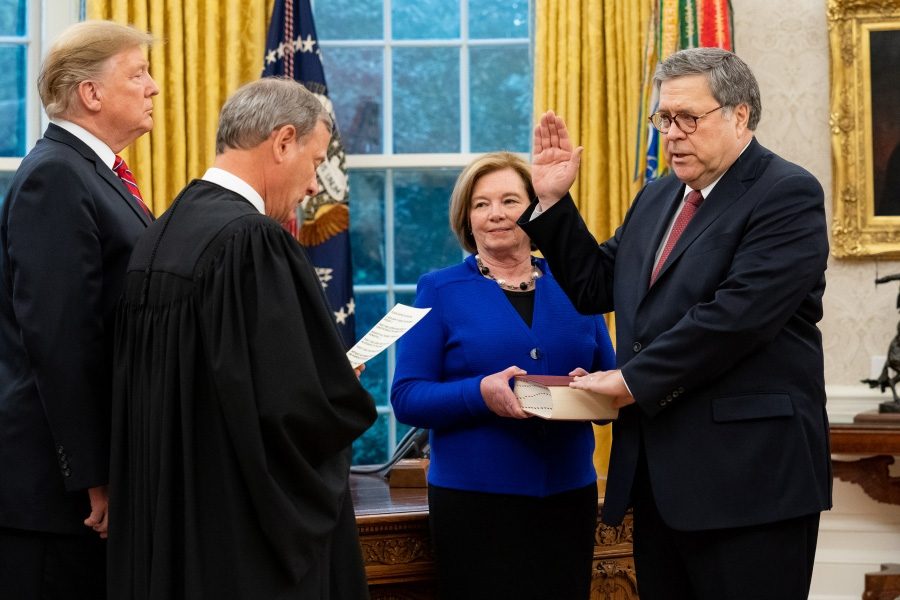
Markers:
(864, 37)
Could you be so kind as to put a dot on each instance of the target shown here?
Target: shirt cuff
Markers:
(627, 387)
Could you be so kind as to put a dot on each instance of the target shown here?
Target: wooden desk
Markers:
(865, 438)
(396, 546)
(871, 473)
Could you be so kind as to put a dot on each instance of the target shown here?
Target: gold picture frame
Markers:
(864, 36)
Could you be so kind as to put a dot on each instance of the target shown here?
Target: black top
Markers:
(523, 302)
(233, 414)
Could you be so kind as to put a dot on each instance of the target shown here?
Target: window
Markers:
(420, 87)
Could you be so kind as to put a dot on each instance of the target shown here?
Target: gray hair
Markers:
(258, 108)
(80, 54)
(730, 79)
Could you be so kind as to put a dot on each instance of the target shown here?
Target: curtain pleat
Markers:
(588, 68)
(206, 49)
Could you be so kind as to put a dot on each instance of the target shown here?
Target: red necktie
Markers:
(691, 203)
(125, 175)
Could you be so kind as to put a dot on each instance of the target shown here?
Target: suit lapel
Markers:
(729, 189)
(670, 196)
(58, 134)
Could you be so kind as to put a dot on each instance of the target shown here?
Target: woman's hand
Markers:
(499, 397)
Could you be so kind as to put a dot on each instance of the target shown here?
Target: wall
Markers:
(786, 45)
(788, 51)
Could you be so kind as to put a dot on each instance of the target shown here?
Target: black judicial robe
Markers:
(234, 407)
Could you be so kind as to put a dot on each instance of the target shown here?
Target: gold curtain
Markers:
(588, 68)
(206, 49)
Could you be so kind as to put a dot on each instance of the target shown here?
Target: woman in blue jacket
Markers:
(512, 498)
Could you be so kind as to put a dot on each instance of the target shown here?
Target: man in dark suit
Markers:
(66, 232)
(721, 446)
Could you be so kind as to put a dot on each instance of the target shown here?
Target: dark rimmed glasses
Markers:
(686, 123)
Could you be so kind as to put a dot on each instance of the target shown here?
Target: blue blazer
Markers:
(722, 354)
(473, 331)
(66, 232)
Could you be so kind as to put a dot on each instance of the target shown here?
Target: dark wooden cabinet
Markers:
(393, 531)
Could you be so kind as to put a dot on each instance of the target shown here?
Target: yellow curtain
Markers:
(588, 69)
(206, 50)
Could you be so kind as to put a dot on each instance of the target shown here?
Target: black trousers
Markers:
(772, 561)
(47, 566)
(507, 546)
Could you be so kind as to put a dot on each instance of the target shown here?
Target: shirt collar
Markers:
(232, 182)
(93, 142)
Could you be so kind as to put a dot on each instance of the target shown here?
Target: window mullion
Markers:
(464, 116)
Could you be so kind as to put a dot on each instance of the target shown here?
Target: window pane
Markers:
(13, 68)
(367, 226)
(371, 447)
(355, 77)
(426, 100)
(406, 298)
(425, 19)
(423, 240)
(12, 17)
(369, 310)
(5, 180)
(500, 80)
(498, 19)
(349, 20)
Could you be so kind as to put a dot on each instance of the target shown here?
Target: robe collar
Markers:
(233, 183)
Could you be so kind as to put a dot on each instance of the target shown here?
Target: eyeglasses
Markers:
(686, 123)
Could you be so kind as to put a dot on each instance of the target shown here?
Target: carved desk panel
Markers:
(396, 546)
(871, 473)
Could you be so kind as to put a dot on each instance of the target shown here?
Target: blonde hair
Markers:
(79, 54)
(461, 198)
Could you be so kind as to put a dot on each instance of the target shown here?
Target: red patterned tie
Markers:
(691, 203)
(125, 175)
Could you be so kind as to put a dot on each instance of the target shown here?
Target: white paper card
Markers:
(388, 330)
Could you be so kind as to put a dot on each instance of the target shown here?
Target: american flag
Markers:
(323, 221)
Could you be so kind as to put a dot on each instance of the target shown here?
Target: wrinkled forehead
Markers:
(685, 92)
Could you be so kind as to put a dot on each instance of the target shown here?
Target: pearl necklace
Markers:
(522, 287)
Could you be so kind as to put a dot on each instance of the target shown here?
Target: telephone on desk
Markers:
(413, 446)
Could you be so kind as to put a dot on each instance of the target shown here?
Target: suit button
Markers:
(668, 398)
(636, 347)
(662, 402)
(535, 353)
(676, 393)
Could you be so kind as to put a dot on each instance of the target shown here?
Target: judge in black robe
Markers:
(234, 403)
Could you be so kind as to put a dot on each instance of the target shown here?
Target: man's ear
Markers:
(88, 93)
(741, 114)
(282, 139)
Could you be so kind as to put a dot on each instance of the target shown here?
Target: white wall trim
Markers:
(845, 401)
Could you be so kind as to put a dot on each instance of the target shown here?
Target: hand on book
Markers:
(604, 382)
(498, 395)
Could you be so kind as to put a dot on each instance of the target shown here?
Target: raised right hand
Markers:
(555, 164)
